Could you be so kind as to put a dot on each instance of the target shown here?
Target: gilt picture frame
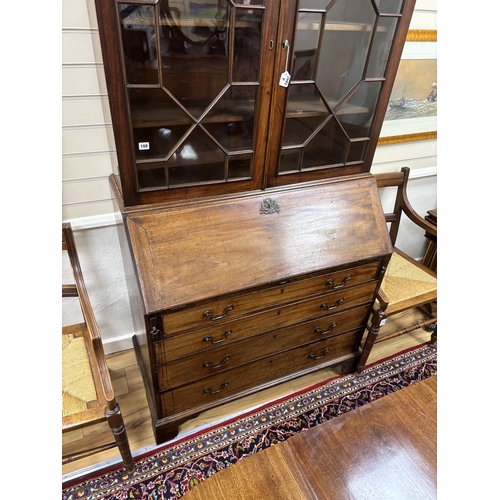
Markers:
(412, 111)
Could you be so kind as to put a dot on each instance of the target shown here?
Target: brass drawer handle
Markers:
(313, 356)
(208, 314)
(337, 304)
(343, 284)
(319, 332)
(209, 391)
(209, 339)
(209, 365)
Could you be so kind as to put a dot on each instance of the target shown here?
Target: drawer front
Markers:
(267, 320)
(288, 291)
(204, 364)
(244, 377)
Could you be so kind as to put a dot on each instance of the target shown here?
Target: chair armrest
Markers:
(416, 218)
(410, 211)
(97, 351)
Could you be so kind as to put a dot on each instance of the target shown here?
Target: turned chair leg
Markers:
(115, 421)
(378, 319)
(433, 327)
(434, 334)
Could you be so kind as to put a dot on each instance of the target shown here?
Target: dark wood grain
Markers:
(191, 253)
(195, 243)
(217, 265)
(386, 449)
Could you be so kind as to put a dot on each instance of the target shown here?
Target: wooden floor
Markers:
(131, 397)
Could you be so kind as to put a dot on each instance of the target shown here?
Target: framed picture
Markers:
(412, 111)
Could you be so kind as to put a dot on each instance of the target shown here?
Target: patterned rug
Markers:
(172, 470)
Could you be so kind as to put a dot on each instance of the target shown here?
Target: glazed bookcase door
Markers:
(337, 54)
(199, 107)
(197, 82)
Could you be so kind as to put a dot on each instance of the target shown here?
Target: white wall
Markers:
(88, 155)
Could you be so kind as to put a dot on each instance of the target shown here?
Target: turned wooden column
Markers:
(378, 319)
(115, 422)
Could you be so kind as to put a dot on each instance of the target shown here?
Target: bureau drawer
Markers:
(251, 375)
(253, 324)
(206, 363)
(222, 310)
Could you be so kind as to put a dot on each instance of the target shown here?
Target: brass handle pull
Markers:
(319, 332)
(209, 314)
(209, 365)
(209, 339)
(337, 304)
(313, 356)
(342, 285)
(209, 391)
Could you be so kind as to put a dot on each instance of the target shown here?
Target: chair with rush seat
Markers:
(87, 392)
(407, 284)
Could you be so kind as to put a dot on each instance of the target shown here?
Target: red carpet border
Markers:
(169, 472)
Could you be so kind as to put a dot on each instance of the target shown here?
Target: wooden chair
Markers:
(407, 283)
(87, 392)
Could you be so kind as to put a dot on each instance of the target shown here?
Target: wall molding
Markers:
(117, 344)
(86, 126)
(93, 221)
(80, 31)
(88, 153)
(72, 97)
(419, 173)
(82, 65)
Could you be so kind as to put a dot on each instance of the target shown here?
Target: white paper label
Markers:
(143, 146)
(285, 79)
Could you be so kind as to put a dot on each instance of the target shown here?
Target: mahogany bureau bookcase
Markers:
(252, 233)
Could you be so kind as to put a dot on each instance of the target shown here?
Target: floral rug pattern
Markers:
(169, 472)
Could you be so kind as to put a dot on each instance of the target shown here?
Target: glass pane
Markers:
(381, 47)
(151, 175)
(313, 4)
(357, 151)
(356, 114)
(194, 51)
(248, 2)
(247, 35)
(198, 159)
(306, 111)
(327, 147)
(306, 45)
(240, 167)
(157, 142)
(231, 121)
(153, 106)
(139, 43)
(290, 159)
(389, 6)
(349, 24)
